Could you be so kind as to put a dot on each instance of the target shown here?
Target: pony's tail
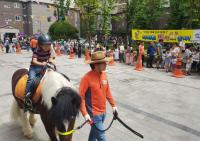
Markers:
(15, 111)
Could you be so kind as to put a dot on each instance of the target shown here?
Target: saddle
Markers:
(35, 88)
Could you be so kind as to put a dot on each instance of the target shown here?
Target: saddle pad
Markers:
(21, 86)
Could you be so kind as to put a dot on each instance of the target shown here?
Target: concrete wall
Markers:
(10, 14)
(74, 18)
(40, 13)
(28, 20)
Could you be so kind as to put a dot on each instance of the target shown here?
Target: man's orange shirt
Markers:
(33, 43)
(94, 91)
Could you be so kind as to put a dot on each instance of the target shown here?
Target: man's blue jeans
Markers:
(33, 72)
(94, 133)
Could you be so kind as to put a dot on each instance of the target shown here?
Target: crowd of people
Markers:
(161, 56)
(154, 55)
(10, 45)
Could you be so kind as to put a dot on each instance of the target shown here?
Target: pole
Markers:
(127, 23)
(40, 26)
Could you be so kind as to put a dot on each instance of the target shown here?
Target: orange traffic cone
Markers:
(1, 49)
(87, 55)
(111, 62)
(178, 71)
(18, 49)
(58, 53)
(71, 54)
(128, 58)
(138, 66)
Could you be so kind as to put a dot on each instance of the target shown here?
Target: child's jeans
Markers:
(33, 72)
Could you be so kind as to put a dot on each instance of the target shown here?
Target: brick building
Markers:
(29, 17)
(11, 18)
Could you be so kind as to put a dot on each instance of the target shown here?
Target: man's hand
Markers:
(87, 117)
(115, 110)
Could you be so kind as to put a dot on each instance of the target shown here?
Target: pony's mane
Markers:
(66, 105)
(52, 83)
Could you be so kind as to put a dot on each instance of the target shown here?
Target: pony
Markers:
(56, 100)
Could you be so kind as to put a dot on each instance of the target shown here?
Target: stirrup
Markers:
(27, 104)
(27, 108)
(28, 101)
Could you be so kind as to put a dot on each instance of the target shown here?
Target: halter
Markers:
(71, 131)
(66, 133)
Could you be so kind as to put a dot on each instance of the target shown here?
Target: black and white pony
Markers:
(58, 104)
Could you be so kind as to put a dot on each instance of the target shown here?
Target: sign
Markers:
(196, 36)
(186, 36)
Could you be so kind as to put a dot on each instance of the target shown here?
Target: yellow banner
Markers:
(167, 35)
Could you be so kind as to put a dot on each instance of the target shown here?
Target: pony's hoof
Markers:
(28, 136)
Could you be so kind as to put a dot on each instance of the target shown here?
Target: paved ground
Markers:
(161, 107)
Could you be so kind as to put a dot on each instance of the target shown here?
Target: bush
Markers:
(62, 30)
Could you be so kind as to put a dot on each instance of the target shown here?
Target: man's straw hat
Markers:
(98, 57)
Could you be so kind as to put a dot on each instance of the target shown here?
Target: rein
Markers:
(115, 117)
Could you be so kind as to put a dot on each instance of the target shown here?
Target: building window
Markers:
(16, 5)
(18, 18)
(6, 6)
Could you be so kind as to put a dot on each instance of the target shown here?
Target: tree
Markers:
(144, 14)
(105, 10)
(62, 8)
(62, 30)
(184, 14)
(88, 10)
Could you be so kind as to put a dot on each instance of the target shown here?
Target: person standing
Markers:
(141, 52)
(7, 44)
(33, 43)
(159, 52)
(150, 53)
(121, 52)
(94, 91)
(79, 49)
(1, 46)
(188, 65)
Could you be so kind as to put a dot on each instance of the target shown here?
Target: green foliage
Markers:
(62, 30)
(62, 8)
(88, 10)
(184, 14)
(106, 10)
(143, 14)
